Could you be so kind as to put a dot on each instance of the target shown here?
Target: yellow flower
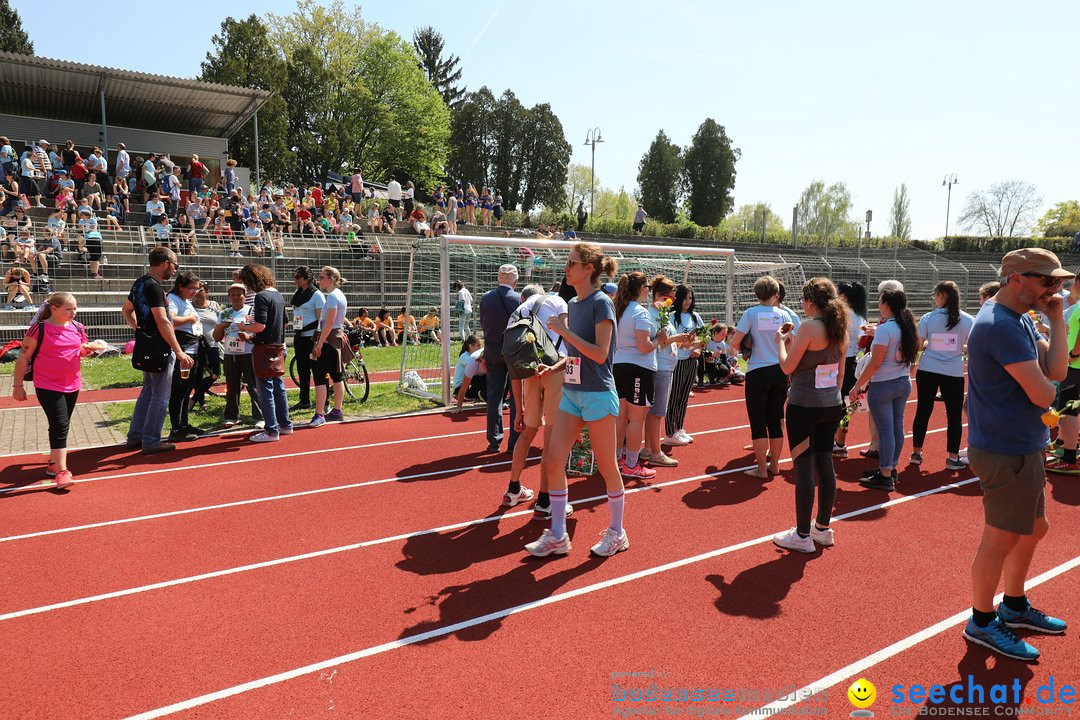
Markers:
(529, 337)
(1051, 418)
(669, 302)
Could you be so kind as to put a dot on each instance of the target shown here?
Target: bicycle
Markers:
(357, 382)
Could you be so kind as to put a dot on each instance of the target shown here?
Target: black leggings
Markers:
(766, 393)
(58, 407)
(210, 360)
(952, 391)
(302, 347)
(181, 391)
(810, 434)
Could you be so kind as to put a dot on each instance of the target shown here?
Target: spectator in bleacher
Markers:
(162, 230)
(639, 219)
(17, 282)
(307, 306)
(419, 222)
(196, 173)
(170, 186)
(183, 236)
(237, 347)
(69, 155)
(209, 360)
(345, 219)
(11, 192)
(19, 221)
(188, 330)
(439, 224)
(44, 168)
(384, 328)
(389, 220)
(255, 237)
(64, 182)
(356, 186)
(147, 310)
(48, 246)
(123, 163)
(5, 244)
(7, 155)
(114, 213)
(408, 198)
(56, 226)
(97, 163)
(24, 246)
(267, 322)
(56, 159)
(306, 224)
(496, 307)
(197, 213)
(28, 178)
(91, 245)
(92, 192)
(122, 195)
(230, 175)
(65, 203)
(155, 210)
(78, 173)
(149, 179)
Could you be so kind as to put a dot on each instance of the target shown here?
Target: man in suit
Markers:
(496, 306)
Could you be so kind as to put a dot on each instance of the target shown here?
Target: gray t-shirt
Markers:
(584, 315)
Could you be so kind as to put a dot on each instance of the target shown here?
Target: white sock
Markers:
(632, 458)
(616, 505)
(558, 512)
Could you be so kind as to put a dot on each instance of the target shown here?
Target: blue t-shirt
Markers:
(887, 334)
(685, 323)
(666, 357)
(945, 354)
(584, 315)
(761, 323)
(635, 317)
(468, 365)
(1001, 418)
(305, 314)
(336, 299)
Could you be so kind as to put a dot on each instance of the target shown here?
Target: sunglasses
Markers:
(570, 263)
(1047, 280)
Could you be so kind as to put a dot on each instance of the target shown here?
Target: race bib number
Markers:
(297, 322)
(945, 342)
(196, 328)
(769, 323)
(572, 371)
(234, 345)
(825, 375)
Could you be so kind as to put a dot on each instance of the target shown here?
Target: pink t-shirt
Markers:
(57, 366)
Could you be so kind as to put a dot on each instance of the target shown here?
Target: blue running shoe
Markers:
(1031, 619)
(999, 638)
(317, 421)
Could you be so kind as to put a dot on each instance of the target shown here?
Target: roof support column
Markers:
(258, 185)
(104, 126)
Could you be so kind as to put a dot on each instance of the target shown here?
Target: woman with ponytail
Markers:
(54, 346)
(888, 374)
(588, 400)
(943, 335)
(815, 361)
(634, 367)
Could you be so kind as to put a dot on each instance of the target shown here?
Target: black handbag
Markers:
(151, 353)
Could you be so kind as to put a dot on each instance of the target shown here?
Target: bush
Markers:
(968, 243)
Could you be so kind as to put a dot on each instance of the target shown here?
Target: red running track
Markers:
(387, 620)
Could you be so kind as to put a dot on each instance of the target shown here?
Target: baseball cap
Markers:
(238, 286)
(508, 269)
(611, 288)
(1036, 261)
(93, 235)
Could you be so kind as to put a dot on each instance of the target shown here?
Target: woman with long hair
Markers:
(470, 364)
(666, 359)
(307, 306)
(896, 345)
(686, 322)
(943, 335)
(766, 384)
(331, 351)
(384, 328)
(815, 361)
(189, 334)
(588, 400)
(634, 368)
(54, 345)
(854, 294)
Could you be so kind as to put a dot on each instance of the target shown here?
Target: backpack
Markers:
(519, 352)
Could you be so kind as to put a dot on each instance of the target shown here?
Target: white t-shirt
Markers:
(336, 300)
(545, 307)
(393, 190)
(231, 342)
(466, 299)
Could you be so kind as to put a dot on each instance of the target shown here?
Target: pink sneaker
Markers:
(639, 472)
(64, 479)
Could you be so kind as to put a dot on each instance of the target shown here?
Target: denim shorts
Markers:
(589, 405)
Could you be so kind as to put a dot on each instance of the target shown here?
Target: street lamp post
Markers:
(591, 138)
(949, 181)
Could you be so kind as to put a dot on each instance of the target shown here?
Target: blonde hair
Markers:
(56, 301)
(334, 273)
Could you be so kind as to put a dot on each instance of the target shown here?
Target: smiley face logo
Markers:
(862, 693)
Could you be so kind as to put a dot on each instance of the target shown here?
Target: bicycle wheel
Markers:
(292, 371)
(357, 384)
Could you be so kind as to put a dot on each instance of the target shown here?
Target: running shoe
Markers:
(511, 499)
(661, 459)
(285, 430)
(547, 545)
(260, 424)
(644, 454)
(674, 440)
(684, 436)
(182, 435)
(264, 437)
(544, 511)
(999, 638)
(159, 448)
(638, 472)
(869, 453)
(879, 482)
(792, 540)
(869, 473)
(610, 543)
(1030, 619)
(821, 537)
(916, 458)
(64, 479)
(335, 416)
(951, 464)
(49, 472)
(317, 421)
(839, 450)
(1060, 467)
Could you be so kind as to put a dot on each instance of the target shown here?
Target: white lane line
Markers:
(497, 615)
(404, 536)
(857, 667)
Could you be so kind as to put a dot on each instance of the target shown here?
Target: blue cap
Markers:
(611, 288)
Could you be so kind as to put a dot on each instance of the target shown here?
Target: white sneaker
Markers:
(792, 541)
(511, 499)
(611, 543)
(674, 440)
(547, 545)
(821, 537)
(684, 436)
(264, 437)
(660, 459)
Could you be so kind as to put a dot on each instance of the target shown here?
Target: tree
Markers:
(825, 212)
(709, 166)
(442, 74)
(1007, 209)
(1062, 220)
(748, 219)
(659, 175)
(244, 56)
(900, 218)
(13, 38)
(578, 184)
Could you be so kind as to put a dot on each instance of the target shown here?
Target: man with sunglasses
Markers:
(146, 308)
(1011, 374)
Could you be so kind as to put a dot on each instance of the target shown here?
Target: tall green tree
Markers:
(244, 56)
(828, 210)
(578, 183)
(442, 74)
(1062, 220)
(709, 167)
(749, 218)
(900, 217)
(659, 178)
(13, 38)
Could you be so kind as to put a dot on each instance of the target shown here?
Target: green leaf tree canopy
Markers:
(748, 218)
(822, 209)
(1062, 220)
(709, 166)
(442, 74)
(13, 38)
(659, 178)
(900, 217)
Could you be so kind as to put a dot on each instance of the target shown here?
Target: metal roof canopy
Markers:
(62, 90)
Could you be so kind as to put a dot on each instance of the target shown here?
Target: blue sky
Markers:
(872, 94)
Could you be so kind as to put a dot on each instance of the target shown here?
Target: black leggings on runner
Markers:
(952, 391)
(682, 381)
(810, 434)
(766, 393)
(58, 407)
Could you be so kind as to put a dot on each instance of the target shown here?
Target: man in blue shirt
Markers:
(1011, 370)
(496, 306)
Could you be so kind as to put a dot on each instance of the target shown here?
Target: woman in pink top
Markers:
(55, 346)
